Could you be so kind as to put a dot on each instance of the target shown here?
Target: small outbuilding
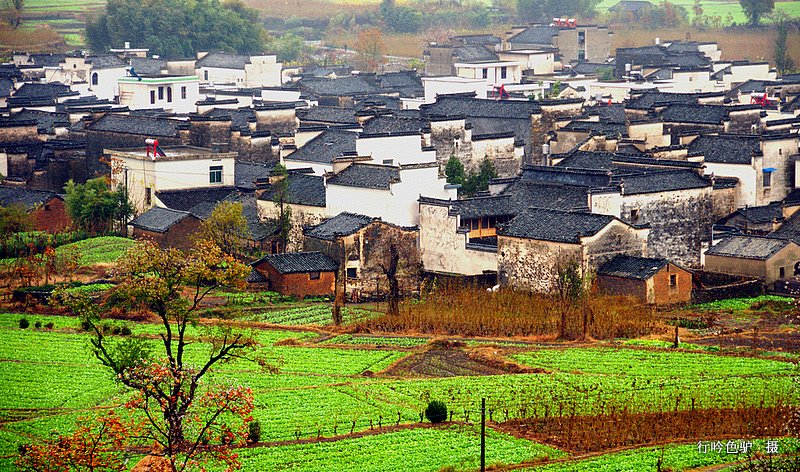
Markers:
(655, 281)
(766, 258)
(301, 274)
(46, 209)
(166, 227)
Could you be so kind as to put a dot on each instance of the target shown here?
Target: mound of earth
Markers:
(451, 359)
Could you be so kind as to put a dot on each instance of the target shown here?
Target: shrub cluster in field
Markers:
(467, 311)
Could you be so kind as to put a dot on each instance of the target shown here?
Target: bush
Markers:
(436, 412)
(24, 323)
(125, 331)
(254, 432)
(38, 325)
(49, 325)
(85, 325)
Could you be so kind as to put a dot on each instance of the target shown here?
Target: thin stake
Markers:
(483, 435)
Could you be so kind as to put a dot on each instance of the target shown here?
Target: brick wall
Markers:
(179, 236)
(666, 294)
(299, 285)
(51, 217)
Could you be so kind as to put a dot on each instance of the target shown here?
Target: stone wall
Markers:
(680, 222)
(302, 216)
(527, 264)
(454, 138)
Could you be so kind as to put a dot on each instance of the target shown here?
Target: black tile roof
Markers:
(535, 34)
(106, 61)
(10, 71)
(331, 115)
(554, 225)
(246, 173)
(748, 247)
(663, 181)
(407, 83)
(45, 60)
(186, 199)
(789, 229)
(473, 53)
(591, 67)
(647, 99)
(366, 176)
(476, 39)
(29, 198)
(339, 87)
(632, 267)
(631, 6)
(6, 85)
(726, 149)
(597, 127)
(329, 144)
(46, 121)
(701, 114)
(479, 207)
(303, 189)
(34, 90)
(343, 224)
(158, 219)
(393, 124)
(450, 106)
(255, 277)
(223, 60)
(525, 193)
(614, 113)
(148, 66)
(240, 117)
(762, 214)
(139, 125)
(299, 262)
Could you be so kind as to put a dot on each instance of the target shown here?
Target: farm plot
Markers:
(320, 315)
(395, 341)
(418, 449)
(102, 250)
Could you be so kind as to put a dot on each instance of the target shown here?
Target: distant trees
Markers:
(12, 11)
(754, 10)
(288, 47)
(471, 182)
(95, 208)
(178, 28)
(783, 61)
(227, 228)
(14, 219)
(371, 49)
(400, 19)
(544, 10)
(280, 197)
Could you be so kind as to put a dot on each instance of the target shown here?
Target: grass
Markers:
(421, 449)
(102, 250)
(740, 304)
(50, 378)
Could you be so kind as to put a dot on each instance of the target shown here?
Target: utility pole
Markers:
(483, 435)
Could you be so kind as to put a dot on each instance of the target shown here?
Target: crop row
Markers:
(320, 315)
(397, 341)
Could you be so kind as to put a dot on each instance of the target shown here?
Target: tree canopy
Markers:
(546, 9)
(178, 28)
(755, 9)
(95, 208)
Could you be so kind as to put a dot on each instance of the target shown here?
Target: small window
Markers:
(161, 93)
(183, 93)
(169, 94)
(767, 179)
(581, 55)
(313, 275)
(634, 216)
(781, 272)
(205, 75)
(673, 280)
(215, 174)
(780, 151)
(503, 72)
(152, 97)
(95, 79)
(352, 273)
(148, 196)
(485, 72)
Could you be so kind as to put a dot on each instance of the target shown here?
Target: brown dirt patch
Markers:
(581, 434)
(454, 358)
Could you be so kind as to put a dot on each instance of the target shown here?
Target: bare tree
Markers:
(394, 252)
(12, 10)
(571, 290)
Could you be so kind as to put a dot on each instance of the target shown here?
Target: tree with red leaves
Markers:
(191, 424)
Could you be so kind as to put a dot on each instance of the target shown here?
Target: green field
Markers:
(721, 8)
(49, 379)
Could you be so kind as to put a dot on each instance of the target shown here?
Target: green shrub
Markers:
(125, 331)
(49, 325)
(436, 412)
(24, 323)
(38, 325)
(254, 432)
(85, 325)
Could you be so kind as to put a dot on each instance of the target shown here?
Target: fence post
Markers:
(483, 435)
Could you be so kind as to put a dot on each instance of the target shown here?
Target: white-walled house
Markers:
(537, 61)
(239, 69)
(399, 148)
(94, 75)
(175, 94)
(387, 192)
(492, 72)
(448, 85)
(183, 167)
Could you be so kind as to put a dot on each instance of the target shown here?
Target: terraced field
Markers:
(49, 379)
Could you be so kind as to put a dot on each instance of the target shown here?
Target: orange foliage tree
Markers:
(191, 423)
(371, 49)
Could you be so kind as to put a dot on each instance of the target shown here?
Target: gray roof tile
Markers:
(343, 224)
(158, 219)
(325, 147)
(366, 176)
(554, 225)
(748, 247)
(299, 262)
(631, 267)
